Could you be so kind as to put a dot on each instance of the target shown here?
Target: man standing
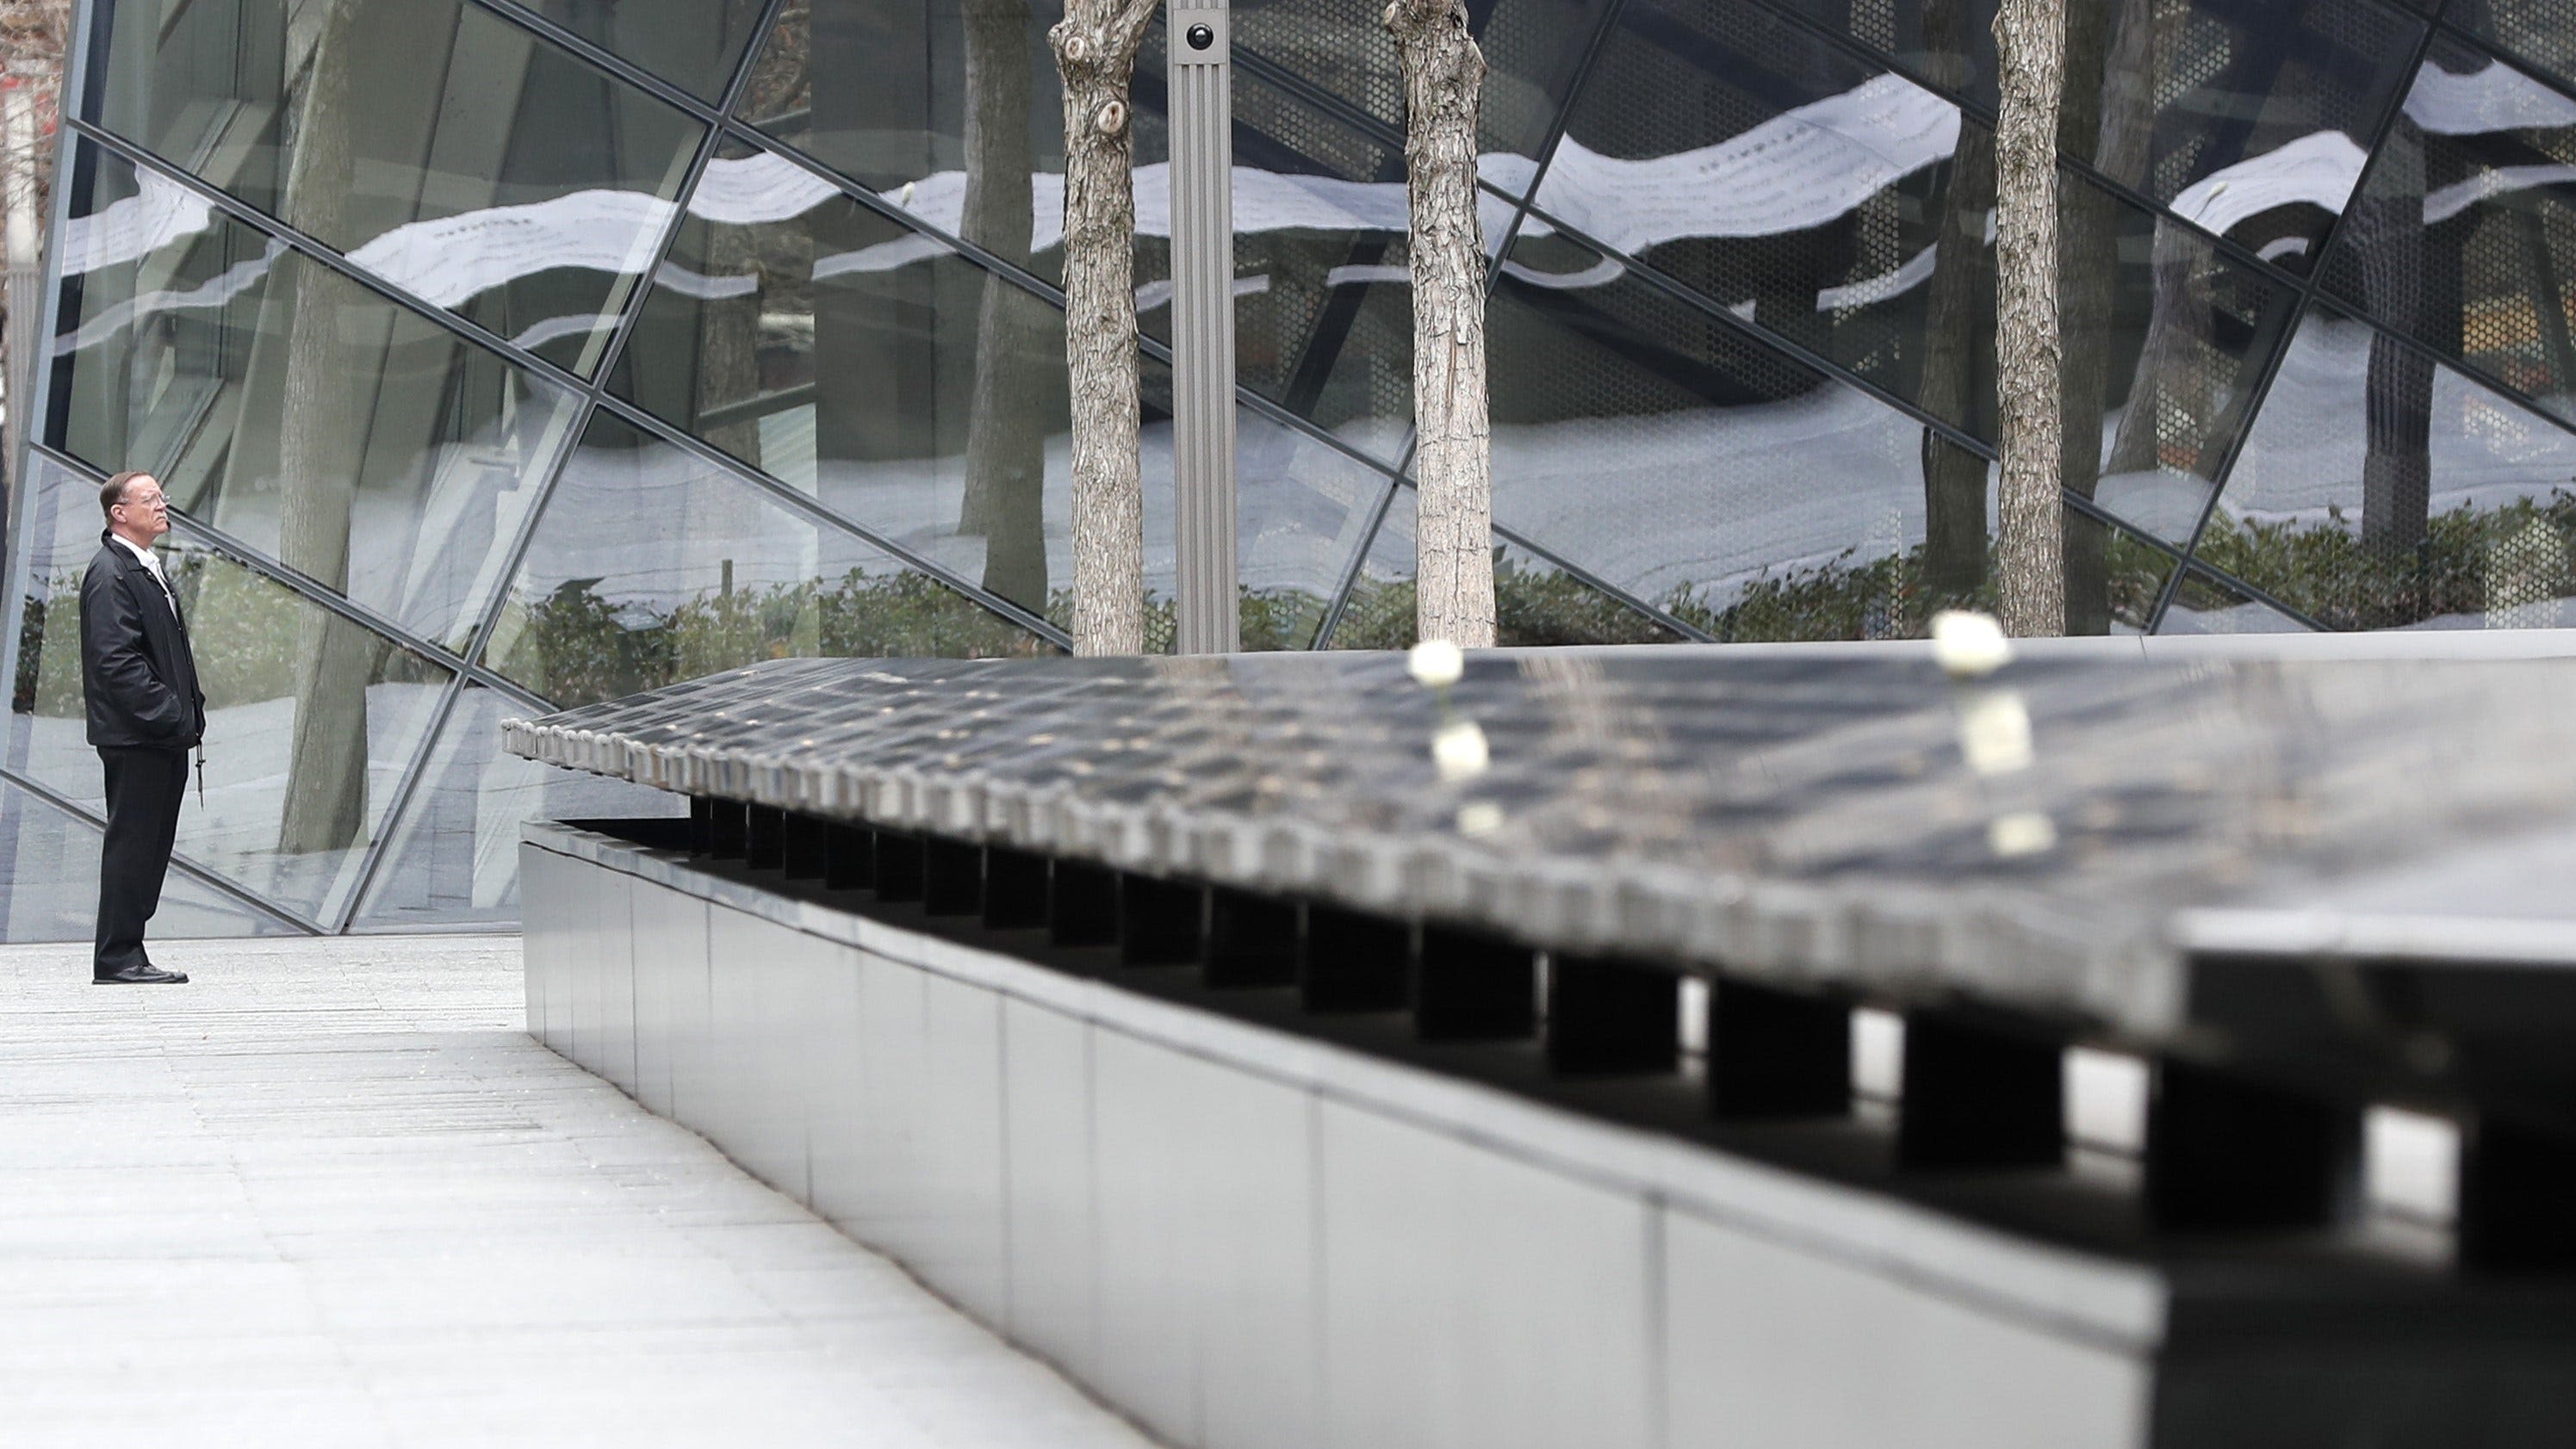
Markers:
(145, 714)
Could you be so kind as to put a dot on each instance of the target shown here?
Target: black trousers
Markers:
(144, 788)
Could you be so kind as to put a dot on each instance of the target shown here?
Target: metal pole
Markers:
(1202, 131)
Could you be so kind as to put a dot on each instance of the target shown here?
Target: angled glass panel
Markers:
(360, 444)
(311, 720)
(49, 883)
(1847, 211)
(432, 142)
(2249, 117)
(2539, 33)
(1664, 450)
(2380, 489)
(879, 90)
(1323, 293)
(913, 392)
(2205, 605)
(867, 366)
(2464, 235)
(651, 564)
(1300, 509)
(454, 857)
(694, 44)
(1535, 602)
(1533, 49)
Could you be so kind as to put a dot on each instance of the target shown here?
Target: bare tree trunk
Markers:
(2030, 37)
(1005, 446)
(326, 780)
(1444, 76)
(1095, 53)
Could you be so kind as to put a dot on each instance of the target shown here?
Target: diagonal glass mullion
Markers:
(382, 844)
(202, 875)
(492, 341)
(815, 510)
(278, 573)
(1855, 50)
(636, 168)
(2307, 287)
(634, 309)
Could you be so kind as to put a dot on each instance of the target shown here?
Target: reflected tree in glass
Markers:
(318, 473)
(2109, 97)
(1005, 493)
(2389, 234)
(1957, 331)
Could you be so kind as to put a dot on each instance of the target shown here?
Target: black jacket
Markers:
(137, 674)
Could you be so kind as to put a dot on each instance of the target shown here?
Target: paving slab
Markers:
(331, 1193)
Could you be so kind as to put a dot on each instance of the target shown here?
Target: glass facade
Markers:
(508, 354)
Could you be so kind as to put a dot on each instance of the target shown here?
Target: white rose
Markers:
(1968, 645)
(1436, 662)
(1459, 750)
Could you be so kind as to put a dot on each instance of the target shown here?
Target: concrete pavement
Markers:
(330, 1193)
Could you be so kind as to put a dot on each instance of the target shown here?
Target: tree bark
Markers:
(1005, 499)
(1095, 54)
(1444, 76)
(2030, 37)
(318, 460)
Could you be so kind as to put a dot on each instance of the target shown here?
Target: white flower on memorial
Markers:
(1994, 732)
(1436, 662)
(1459, 750)
(1969, 645)
(2025, 832)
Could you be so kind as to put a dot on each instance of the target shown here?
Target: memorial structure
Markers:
(1768, 1049)
(507, 356)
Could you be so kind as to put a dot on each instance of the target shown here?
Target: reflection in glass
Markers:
(2535, 32)
(2464, 235)
(694, 44)
(906, 122)
(1668, 453)
(2249, 119)
(1323, 302)
(1533, 49)
(49, 867)
(913, 392)
(1535, 602)
(311, 720)
(1847, 211)
(1301, 507)
(365, 447)
(1323, 322)
(432, 142)
(864, 364)
(2379, 490)
(454, 856)
(2203, 605)
(651, 565)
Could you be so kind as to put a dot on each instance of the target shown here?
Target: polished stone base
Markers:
(1247, 1236)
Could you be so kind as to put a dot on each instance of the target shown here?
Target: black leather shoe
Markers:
(145, 975)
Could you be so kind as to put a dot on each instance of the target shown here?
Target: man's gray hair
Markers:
(112, 492)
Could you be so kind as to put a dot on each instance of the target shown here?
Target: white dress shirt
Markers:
(152, 563)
